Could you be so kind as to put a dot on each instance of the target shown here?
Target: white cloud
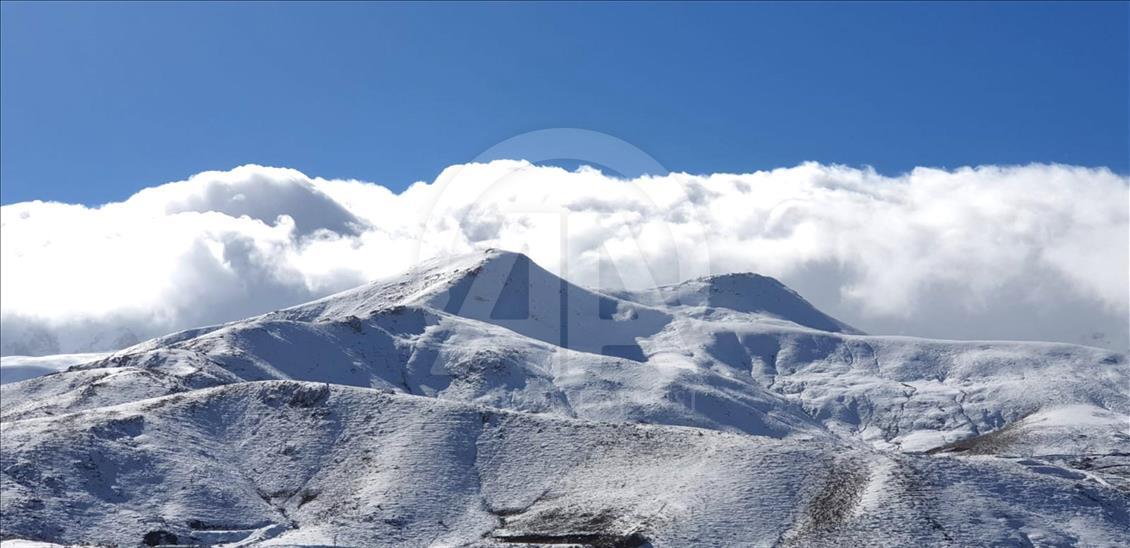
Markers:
(1037, 251)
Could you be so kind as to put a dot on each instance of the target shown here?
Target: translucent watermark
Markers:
(533, 241)
(506, 196)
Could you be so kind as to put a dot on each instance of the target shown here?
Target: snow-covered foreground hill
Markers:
(481, 400)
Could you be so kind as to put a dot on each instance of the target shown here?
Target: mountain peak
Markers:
(429, 281)
(506, 289)
(744, 292)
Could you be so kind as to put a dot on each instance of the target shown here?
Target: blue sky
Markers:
(99, 101)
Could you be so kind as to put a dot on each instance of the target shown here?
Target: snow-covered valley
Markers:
(481, 400)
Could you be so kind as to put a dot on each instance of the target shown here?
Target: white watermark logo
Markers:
(536, 235)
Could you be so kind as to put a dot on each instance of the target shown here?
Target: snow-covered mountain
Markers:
(482, 401)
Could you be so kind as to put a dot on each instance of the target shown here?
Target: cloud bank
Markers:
(1021, 252)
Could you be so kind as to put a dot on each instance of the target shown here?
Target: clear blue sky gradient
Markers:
(99, 101)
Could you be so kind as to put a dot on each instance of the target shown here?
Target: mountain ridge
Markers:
(495, 335)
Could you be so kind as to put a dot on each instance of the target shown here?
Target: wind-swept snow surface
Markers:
(484, 401)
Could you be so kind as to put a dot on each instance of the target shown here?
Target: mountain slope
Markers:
(741, 292)
(304, 463)
(517, 407)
